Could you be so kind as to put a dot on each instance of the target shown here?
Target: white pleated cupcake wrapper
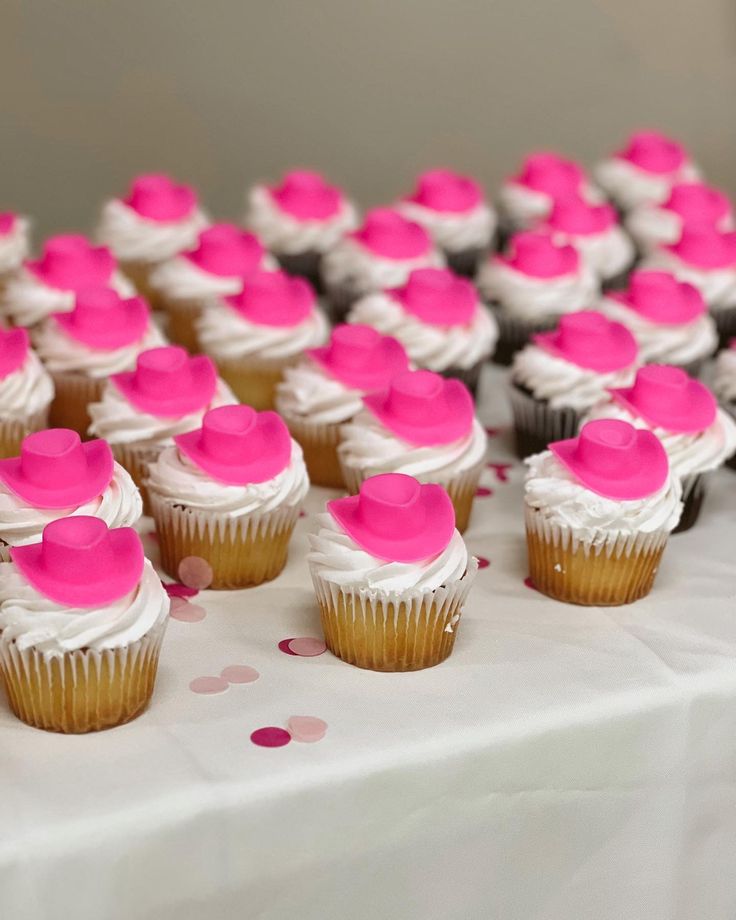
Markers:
(538, 418)
(448, 600)
(14, 430)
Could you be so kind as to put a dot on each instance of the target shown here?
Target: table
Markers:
(564, 764)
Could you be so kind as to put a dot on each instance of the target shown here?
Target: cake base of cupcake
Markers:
(514, 334)
(694, 489)
(537, 424)
(319, 446)
(73, 394)
(252, 380)
(465, 262)
(725, 320)
(304, 265)
(13, 431)
(181, 320)
(139, 275)
(470, 376)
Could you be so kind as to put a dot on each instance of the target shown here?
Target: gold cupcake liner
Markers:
(182, 316)
(393, 631)
(319, 446)
(136, 459)
(12, 431)
(73, 394)
(242, 552)
(81, 691)
(604, 571)
(254, 380)
(139, 274)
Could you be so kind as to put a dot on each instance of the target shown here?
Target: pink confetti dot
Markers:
(307, 646)
(185, 612)
(270, 736)
(152, 535)
(284, 647)
(195, 572)
(302, 514)
(530, 584)
(239, 674)
(483, 563)
(483, 492)
(501, 470)
(307, 729)
(175, 589)
(208, 685)
(492, 432)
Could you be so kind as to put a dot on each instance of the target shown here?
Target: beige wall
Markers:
(222, 92)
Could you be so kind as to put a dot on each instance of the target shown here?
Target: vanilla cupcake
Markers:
(48, 285)
(14, 244)
(697, 436)
(223, 257)
(599, 509)
(55, 476)
(256, 334)
(453, 210)
(158, 219)
(533, 285)
(326, 389)
(300, 220)
(103, 335)
(558, 377)
(668, 318)
(423, 425)
(391, 574)
(229, 493)
(724, 383)
(82, 618)
(26, 391)
(439, 319)
(645, 170)
(141, 410)
(379, 254)
(656, 223)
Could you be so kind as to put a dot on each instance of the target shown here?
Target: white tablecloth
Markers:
(564, 764)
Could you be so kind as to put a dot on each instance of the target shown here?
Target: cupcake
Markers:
(453, 210)
(532, 286)
(56, 475)
(380, 254)
(300, 220)
(422, 425)
(14, 244)
(669, 319)
(594, 230)
(438, 318)
(48, 285)
(558, 377)
(26, 391)
(697, 436)
(256, 334)
(158, 219)
(645, 170)
(599, 509)
(656, 223)
(141, 410)
(724, 383)
(229, 493)
(222, 258)
(103, 335)
(391, 574)
(326, 389)
(706, 258)
(82, 618)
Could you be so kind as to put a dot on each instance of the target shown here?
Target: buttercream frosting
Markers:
(27, 390)
(533, 299)
(453, 231)
(607, 253)
(134, 238)
(310, 392)
(349, 262)
(179, 278)
(629, 185)
(717, 285)
(14, 244)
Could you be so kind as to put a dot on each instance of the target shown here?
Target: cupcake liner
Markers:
(139, 274)
(73, 393)
(181, 319)
(514, 334)
(319, 445)
(12, 431)
(725, 320)
(620, 280)
(254, 380)
(392, 631)
(605, 570)
(305, 265)
(84, 690)
(339, 298)
(465, 262)
(136, 458)
(242, 552)
(537, 424)
(470, 376)
(694, 488)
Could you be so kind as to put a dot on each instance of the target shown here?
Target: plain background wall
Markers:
(223, 92)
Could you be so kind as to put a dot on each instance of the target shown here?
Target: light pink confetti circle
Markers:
(208, 685)
(185, 612)
(270, 736)
(239, 674)
(195, 572)
(307, 729)
(307, 646)
(284, 647)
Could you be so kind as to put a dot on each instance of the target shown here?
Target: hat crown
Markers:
(445, 190)
(538, 255)
(437, 296)
(274, 299)
(228, 251)
(306, 195)
(391, 502)
(73, 546)
(696, 202)
(661, 297)
(227, 430)
(162, 370)
(608, 447)
(579, 332)
(353, 344)
(654, 152)
(387, 233)
(157, 197)
(657, 383)
(54, 455)
(550, 173)
(14, 347)
(97, 308)
(572, 214)
(413, 394)
(71, 260)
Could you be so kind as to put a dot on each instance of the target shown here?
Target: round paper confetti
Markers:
(195, 572)
(185, 612)
(239, 674)
(307, 729)
(501, 470)
(175, 589)
(483, 492)
(271, 736)
(208, 685)
(530, 584)
(284, 647)
(307, 646)
(492, 432)
(483, 563)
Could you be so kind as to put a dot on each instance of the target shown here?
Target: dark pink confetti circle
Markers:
(185, 612)
(501, 470)
(270, 736)
(307, 729)
(176, 589)
(239, 674)
(492, 432)
(307, 646)
(530, 584)
(195, 572)
(483, 492)
(302, 514)
(284, 647)
(483, 563)
(208, 685)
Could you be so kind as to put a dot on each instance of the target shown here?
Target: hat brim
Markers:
(132, 328)
(701, 409)
(100, 466)
(440, 516)
(650, 470)
(15, 350)
(198, 395)
(694, 310)
(602, 361)
(452, 424)
(390, 360)
(100, 586)
(104, 269)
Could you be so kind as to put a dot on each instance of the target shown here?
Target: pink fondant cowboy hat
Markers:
(104, 320)
(360, 357)
(590, 340)
(698, 203)
(227, 251)
(665, 397)
(446, 191)
(306, 195)
(654, 152)
(390, 235)
(577, 217)
(705, 246)
(438, 297)
(274, 299)
(550, 173)
(70, 262)
(168, 383)
(539, 256)
(661, 298)
(157, 197)
(14, 345)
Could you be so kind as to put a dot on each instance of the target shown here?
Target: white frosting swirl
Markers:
(537, 299)
(608, 253)
(119, 422)
(338, 559)
(134, 238)
(717, 285)
(630, 186)
(22, 523)
(175, 478)
(227, 334)
(523, 207)
(33, 621)
(660, 343)
(564, 384)
(552, 491)
(179, 278)
(724, 381)
(371, 448)
(26, 391)
(285, 234)
(454, 232)
(433, 347)
(309, 392)
(348, 262)
(61, 353)
(14, 246)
